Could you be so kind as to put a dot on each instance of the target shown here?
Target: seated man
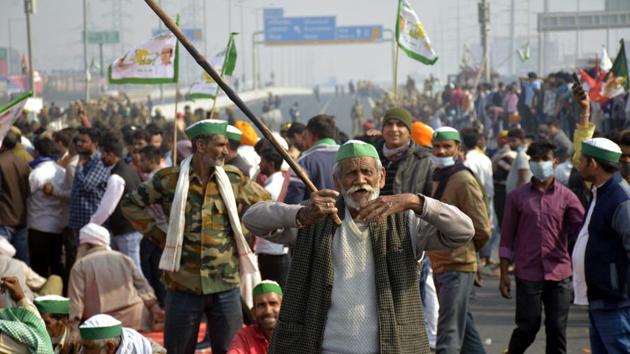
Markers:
(103, 333)
(55, 311)
(105, 281)
(255, 339)
(21, 328)
(30, 282)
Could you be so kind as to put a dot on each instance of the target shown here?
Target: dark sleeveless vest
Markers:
(307, 295)
(117, 222)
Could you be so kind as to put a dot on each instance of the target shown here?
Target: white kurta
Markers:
(352, 322)
(579, 253)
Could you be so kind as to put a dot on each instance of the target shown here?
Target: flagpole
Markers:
(214, 102)
(175, 125)
(234, 97)
(396, 75)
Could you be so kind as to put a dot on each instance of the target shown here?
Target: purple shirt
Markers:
(536, 229)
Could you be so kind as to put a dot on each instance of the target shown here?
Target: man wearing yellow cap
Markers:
(205, 254)
(255, 339)
(353, 288)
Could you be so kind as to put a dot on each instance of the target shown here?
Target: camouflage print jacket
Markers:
(209, 261)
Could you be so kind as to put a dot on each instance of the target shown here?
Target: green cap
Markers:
(100, 327)
(399, 114)
(355, 148)
(207, 127)
(446, 133)
(602, 149)
(267, 286)
(233, 133)
(53, 304)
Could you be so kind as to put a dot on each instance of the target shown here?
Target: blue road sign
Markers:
(359, 33)
(300, 29)
(285, 30)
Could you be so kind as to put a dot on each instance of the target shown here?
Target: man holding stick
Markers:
(204, 248)
(353, 288)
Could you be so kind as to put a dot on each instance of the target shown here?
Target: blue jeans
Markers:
(456, 327)
(129, 244)
(183, 314)
(609, 331)
(19, 239)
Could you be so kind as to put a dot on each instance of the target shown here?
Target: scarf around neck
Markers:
(395, 154)
(171, 256)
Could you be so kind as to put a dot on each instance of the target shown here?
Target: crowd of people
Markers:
(114, 227)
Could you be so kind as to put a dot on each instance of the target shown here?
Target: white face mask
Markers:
(541, 170)
(442, 161)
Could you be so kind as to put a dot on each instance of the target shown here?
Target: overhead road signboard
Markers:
(281, 30)
(103, 37)
(359, 33)
(300, 29)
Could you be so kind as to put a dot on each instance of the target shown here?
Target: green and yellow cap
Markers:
(53, 304)
(100, 327)
(207, 127)
(267, 286)
(602, 149)
(233, 133)
(446, 133)
(355, 148)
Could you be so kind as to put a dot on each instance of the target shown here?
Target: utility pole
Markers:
(577, 34)
(484, 28)
(29, 9)
(512, 39)
(459, 36)
(85, 56)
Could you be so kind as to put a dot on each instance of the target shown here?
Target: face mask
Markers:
(443, 161)
(541, 170)
(624, 168)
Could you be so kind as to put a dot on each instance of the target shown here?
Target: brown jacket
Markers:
(464, 192)
(14, 189)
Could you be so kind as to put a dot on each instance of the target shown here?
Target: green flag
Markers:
(224, 63)
(620, 67)
(11, 111)
(411, 35)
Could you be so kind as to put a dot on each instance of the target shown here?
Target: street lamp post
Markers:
(29, 9)
(85, 56)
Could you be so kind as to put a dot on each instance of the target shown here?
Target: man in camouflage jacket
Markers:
(207, 281)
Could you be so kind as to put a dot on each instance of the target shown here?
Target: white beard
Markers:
(354, 205)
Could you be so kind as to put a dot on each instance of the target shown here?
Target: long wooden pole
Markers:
(396, 75)
(170, 24)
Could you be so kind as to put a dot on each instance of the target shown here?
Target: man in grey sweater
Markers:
(353, 287)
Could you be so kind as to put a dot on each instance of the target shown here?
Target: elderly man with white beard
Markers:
(353, 288)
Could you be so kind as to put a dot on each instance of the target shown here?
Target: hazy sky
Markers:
(57, 27)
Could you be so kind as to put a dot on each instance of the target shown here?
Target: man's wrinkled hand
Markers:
(382, 207)
(12, 285)
(321, 204)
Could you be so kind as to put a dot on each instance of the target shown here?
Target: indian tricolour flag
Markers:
(411, 35)
(11, 111)
(223, 63)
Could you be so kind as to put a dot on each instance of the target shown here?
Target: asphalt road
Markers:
(338, 106)
(494, 317)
